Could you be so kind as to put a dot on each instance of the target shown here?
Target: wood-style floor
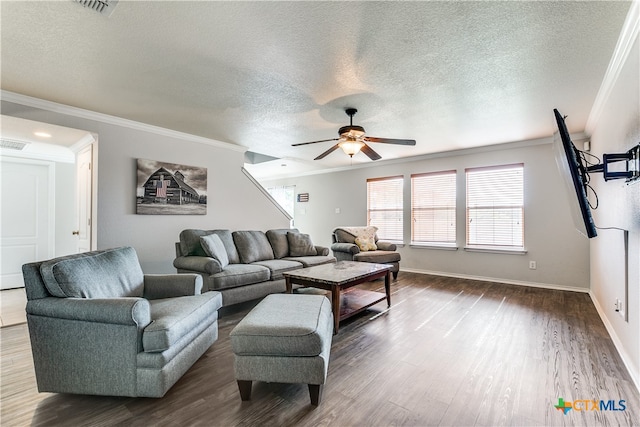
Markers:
(12, 304)
(449, 352)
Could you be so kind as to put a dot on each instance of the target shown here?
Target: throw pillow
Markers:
(213, 247)
(300, 244)
(366, 244)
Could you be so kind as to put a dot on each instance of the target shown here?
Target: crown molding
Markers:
(628, 37)
(113, 120)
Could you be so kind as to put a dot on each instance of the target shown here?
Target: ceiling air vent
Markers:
(12, 144)
(104, 7)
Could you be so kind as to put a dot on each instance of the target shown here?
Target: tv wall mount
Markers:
(631, 170)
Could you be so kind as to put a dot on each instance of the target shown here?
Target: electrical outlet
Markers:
(533, 265)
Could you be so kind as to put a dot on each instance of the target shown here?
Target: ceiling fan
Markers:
(352, 140)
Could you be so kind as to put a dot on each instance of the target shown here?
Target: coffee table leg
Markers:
(335, 303)
(387, 287)
(287, 281)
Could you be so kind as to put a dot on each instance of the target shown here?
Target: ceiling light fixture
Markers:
(351, 146)
(42, 134)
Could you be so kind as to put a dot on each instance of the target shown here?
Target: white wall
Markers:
(233, 201)
(616, 131)
(561, 253)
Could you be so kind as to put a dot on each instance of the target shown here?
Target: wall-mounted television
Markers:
(575, 175)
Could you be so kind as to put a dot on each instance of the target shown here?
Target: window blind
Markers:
(433, 207)
(495, 206)
(384, 206)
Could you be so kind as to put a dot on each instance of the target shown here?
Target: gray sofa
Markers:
(246, 265)
(98, 325)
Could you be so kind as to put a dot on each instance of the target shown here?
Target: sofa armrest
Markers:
(349, 248)
(198, 263)
(385, 246)
(322, 250)
(157, 286)
(120, 311)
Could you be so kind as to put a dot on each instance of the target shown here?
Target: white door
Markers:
(26, 230)
(84, 188)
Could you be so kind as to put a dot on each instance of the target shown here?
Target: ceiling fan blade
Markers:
(313, 142)
(390, 141)
(370, 153)
(329, 151)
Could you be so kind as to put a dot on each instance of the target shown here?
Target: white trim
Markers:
(86, 140)
(441, 246)
(627, 38)
(64, 156)
(496, 250)
(498, 280)
(118, 121)
(635, 376)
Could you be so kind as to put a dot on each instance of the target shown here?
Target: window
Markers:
(384, 206)
(433, 208)
(285, 196)
(495, 206)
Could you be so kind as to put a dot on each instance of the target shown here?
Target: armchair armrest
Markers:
(321, 250)
(349, 248)
(386, 246)
(158, 286)
(120, 311)
(198, 263)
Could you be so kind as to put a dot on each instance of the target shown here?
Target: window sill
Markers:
(438, 246)
(496, 250)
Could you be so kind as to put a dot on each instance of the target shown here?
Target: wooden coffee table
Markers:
(337, 278)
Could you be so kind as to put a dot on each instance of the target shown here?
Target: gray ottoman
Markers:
(285, 339)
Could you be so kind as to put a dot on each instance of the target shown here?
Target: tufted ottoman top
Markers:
(285, 325)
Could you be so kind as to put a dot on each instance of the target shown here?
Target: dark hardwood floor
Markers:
(449, 352)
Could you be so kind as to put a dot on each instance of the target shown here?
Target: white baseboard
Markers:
(635, 376)
(498, 280)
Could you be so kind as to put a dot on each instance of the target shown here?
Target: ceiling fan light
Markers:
(351, 131)
(351, 147)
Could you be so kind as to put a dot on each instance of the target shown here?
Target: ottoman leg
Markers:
(245, 389)
(315, 392)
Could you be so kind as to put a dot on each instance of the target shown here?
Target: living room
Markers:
(565, 260)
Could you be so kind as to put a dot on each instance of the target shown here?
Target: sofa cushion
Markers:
(172, 318)
(380, 257)
(235, 275)
(252, 246)
(366, 244)
(111, 273)
(310, 261)
(349, 234)
(278, 240)
(300, 244)
(279, 266)
(190, 243)
(214, 248)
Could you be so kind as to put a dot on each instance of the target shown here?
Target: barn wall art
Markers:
(170, 189)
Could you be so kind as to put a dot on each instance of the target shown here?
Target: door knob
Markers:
(76, 233)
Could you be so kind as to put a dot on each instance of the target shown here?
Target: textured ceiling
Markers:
(264, 75)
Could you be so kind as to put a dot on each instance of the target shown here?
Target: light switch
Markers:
(337, 210)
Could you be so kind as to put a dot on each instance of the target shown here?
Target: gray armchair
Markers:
(98, 325)
(344, 248)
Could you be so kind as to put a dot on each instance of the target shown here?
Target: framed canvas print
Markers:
(170, 189)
